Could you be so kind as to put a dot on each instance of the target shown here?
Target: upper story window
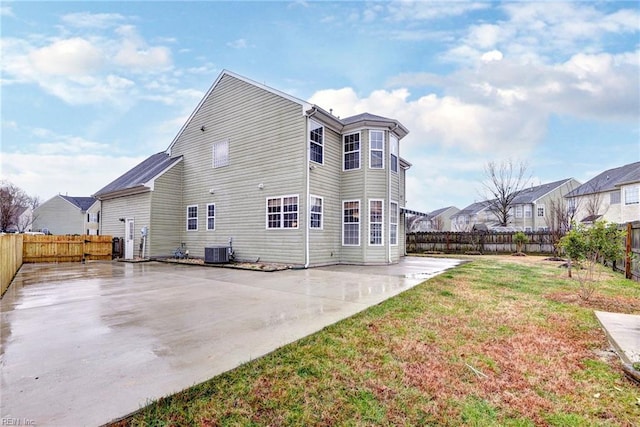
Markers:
(631, 195)
(614, 197)
(192, 218)
(527, 211)
(541, 210)
(221, 153)
(519, 211)
(376, 149)
(393, 150)
(211, 216)
(352, 151)
(282, 212)
(315, 221)
(316, 142)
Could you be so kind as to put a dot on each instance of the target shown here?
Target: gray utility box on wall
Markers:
(216, 255)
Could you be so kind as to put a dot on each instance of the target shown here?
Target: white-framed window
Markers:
(376, 149)
(393, 223)
(211, 216)
(315, 209)
(351, 151)
(540, 210)
(631, 195)
(393, 153)
(351, 223)
(221, 153)
(192, 218)
(543, 228)
(527, 211)
(282, 212)
(614, 197)
(519, 211)
(316, 142)
(527, 229)
(376, 216)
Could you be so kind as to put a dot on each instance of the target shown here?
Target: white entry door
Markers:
(129, 233)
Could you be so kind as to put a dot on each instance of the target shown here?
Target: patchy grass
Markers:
(498, 341)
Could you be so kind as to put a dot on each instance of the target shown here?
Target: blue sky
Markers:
(89, 89)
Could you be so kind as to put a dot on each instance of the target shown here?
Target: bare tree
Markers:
(437, 223)
(13, 200)
(593, 201)
(502, 184)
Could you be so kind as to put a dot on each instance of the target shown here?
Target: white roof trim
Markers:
(152, 181)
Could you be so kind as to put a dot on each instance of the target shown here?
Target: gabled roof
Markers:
(360, 120)
(530, 195)
(609, 180)
(141, 175)
(474, 208)
(437, 212)
(83, 203)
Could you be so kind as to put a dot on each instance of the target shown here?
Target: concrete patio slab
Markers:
(84, 344)
(623, 331)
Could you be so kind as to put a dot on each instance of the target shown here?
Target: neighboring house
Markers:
(68, 215)
(437, 220)
(531, 207)
(284, 180)
(475, 213)
(22, 221)
(613, 195)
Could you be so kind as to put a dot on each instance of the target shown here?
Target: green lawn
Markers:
(498, 341)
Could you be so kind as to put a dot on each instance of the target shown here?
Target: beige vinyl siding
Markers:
(325, 245)
(167, 216)
(135, 206)
(267, 145)
(59, 216)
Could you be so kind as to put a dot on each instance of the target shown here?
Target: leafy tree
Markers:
(502, 184)
(587, 246)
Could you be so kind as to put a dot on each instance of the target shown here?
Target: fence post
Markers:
(627, 258)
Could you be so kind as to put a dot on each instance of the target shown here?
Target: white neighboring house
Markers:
(68, 215)
(436, 220)
(613, 195)
(22, 221)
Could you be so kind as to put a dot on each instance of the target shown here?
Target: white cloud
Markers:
(427, 10)
(494, 55)
(6, 11)
(78, 174)
(69, 57)
(238, 44)
(92, 20)
(134, 53)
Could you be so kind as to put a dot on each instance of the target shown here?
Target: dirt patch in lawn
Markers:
(615, 304)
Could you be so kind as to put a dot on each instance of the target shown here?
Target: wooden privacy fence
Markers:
(42, 248)
(630, 265)
(473, 241)
(10, 258)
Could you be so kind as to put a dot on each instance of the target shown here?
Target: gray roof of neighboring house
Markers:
(83, 203)
(609, 180)
(140, 174)
(530, 195)
(474, 208)
(437, 212)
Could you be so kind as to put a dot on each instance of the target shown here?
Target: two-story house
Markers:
(281, 179)
(531, 207)
(613, 195)
(67, 215)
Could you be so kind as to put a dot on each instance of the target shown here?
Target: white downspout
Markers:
(307, 261)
